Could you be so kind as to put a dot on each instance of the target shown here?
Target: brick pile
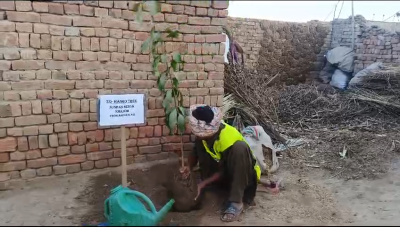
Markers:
(57, 57)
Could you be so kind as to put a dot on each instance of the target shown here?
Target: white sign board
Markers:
(119, 110)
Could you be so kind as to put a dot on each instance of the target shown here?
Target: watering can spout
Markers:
(164, 211)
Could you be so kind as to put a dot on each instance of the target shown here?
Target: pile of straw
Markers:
(254, 102)
(376, 98)
(374, 102)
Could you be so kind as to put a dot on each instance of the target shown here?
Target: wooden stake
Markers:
(123, 158)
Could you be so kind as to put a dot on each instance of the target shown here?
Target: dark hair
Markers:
(203, 113)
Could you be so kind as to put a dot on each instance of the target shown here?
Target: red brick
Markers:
(12, 166)
(42, 162)
(56, 8)
(114, 162)
(150, 149)
(71, 9)
(7, 5)
(86, 10)
(59, 170)
(78, 149)
(86, 22)
(178, 9)
(45, 171)
(92, 147)
(88, 165)
(166, 8)
(18, 156)
(71, 159)
(4, 157)
(100, 155)
(129, 152)
(33, 154)
(23, 16)
(201, 11)
(215, 38)
(63, 150)
(100, 164)
(49, 152)
(190, 10)
(73, 168)
(114, 23)
(199, 21)
(8, 144)
(56, 19)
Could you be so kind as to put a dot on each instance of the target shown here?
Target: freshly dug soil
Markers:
(150, 182)
(183, 191)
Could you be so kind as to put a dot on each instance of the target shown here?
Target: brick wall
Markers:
(57, 57)
(372, 43)
(294, 50)
(248, 33)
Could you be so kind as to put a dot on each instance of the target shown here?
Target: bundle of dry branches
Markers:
(256, 102)
(376, 99)
(385, 79)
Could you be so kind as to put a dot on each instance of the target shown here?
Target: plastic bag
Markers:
(357, 79)
(256, 137)
(339, 79)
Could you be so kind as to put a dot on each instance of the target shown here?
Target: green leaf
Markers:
(174, 65)
(164, 58)
(167, 99)
(172, 119)
(161, 82)
(175, 92)
(182, 111)
(177, 57)
(181, 123)
(168, 95)
(146, 44)
(175, 82)
(156, 62)
(172, 34)
(139, 13)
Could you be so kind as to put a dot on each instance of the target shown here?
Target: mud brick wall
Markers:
(56, 57)
(294, 50)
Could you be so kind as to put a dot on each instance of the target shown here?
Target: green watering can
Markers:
(123, 208)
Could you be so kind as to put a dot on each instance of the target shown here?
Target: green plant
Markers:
(173, 98)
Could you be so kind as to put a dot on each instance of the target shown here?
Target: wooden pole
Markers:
(352, 25)
(123, 158)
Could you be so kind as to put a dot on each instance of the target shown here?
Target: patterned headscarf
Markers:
(201, 128)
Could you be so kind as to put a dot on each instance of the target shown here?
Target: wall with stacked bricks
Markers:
(372, 42)
(57, 57)
(294, 50)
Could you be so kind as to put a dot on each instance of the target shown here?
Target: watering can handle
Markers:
(145, 198)
(106, 209)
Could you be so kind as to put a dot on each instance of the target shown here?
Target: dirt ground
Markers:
(320, 188)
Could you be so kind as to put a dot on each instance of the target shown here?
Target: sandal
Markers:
(223, 207)
(231, 211)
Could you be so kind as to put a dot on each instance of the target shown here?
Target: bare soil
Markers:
(320, 188)
(368, 154)
(156, 184)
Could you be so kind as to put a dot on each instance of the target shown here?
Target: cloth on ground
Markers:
(256, 137)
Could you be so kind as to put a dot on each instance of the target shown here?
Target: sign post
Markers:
(121, 110)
